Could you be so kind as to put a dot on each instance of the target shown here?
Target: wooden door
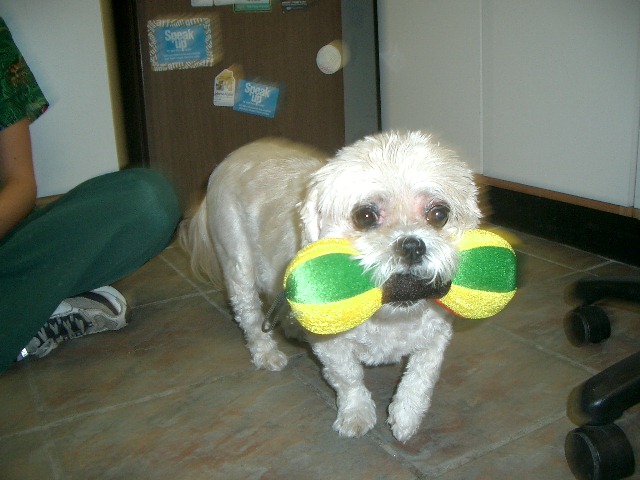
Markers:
(187, 136)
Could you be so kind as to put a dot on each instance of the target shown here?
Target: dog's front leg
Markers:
(413, 396)
(344, 372)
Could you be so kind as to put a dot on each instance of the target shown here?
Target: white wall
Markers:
(543, 93)
(63, 43)
(431, 71)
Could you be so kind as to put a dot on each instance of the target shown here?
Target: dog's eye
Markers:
(365, 217)
(438, 215)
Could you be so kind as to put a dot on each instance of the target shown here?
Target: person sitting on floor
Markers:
(57, 261)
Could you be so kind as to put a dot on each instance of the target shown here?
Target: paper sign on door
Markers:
(256, 99)
(224, 89)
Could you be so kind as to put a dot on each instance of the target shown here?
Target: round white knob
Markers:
(330, 58)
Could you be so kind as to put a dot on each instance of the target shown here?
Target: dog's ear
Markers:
(310, 215)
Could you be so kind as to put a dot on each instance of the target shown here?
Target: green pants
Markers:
(97, 233)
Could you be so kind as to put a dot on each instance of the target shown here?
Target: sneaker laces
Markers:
(91, 312)
(63, 327)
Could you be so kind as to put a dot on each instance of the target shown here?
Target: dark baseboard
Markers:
(613, 236)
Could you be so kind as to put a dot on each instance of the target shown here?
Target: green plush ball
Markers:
(327, 289)
(485, 281)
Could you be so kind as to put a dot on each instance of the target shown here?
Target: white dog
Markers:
(399, 198)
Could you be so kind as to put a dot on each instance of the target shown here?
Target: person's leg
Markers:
(97, 233)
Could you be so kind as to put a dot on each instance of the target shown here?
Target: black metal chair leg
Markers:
(590, 290)
(604, 397)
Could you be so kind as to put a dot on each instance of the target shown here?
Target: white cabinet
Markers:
(543, 93)
(637, 200)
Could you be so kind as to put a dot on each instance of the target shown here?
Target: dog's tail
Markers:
(194, 238)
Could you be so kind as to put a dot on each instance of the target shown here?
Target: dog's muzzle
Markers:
(404, 288)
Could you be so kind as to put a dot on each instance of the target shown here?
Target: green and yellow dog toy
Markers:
(329, 292)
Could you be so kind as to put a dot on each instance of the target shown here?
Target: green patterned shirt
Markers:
(20, 95)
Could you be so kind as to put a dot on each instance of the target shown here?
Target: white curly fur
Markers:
(271, 197)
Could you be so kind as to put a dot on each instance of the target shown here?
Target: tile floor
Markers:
(174, 395)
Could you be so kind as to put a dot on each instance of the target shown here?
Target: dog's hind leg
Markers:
(233, 237)
(247, 309)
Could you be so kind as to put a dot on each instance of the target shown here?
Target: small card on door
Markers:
(224, 87)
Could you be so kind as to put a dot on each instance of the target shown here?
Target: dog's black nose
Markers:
(411, 249)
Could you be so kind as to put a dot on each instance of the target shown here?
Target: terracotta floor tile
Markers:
(19, 402)
(250, 425)
(532, 454)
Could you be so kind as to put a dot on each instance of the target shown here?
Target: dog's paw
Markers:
(355, 422)
(265, 353)
(273, 360)
(404, 421)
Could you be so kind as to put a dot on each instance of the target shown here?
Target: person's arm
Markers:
(17, 178)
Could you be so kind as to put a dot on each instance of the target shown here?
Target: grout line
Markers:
(397, 455)
(326, 399)
(599, 265)
(574, 269)
(119, 406)
(52, 461)
(204, 293)
(97, 411)
(373, 435)
(223, 311)
(462, 460)
(169, 300)
(545, 350)
(185, 277)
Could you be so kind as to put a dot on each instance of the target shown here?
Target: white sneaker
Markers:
(96, 311)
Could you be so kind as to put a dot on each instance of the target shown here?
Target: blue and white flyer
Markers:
(182, 43)
(256, 99)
